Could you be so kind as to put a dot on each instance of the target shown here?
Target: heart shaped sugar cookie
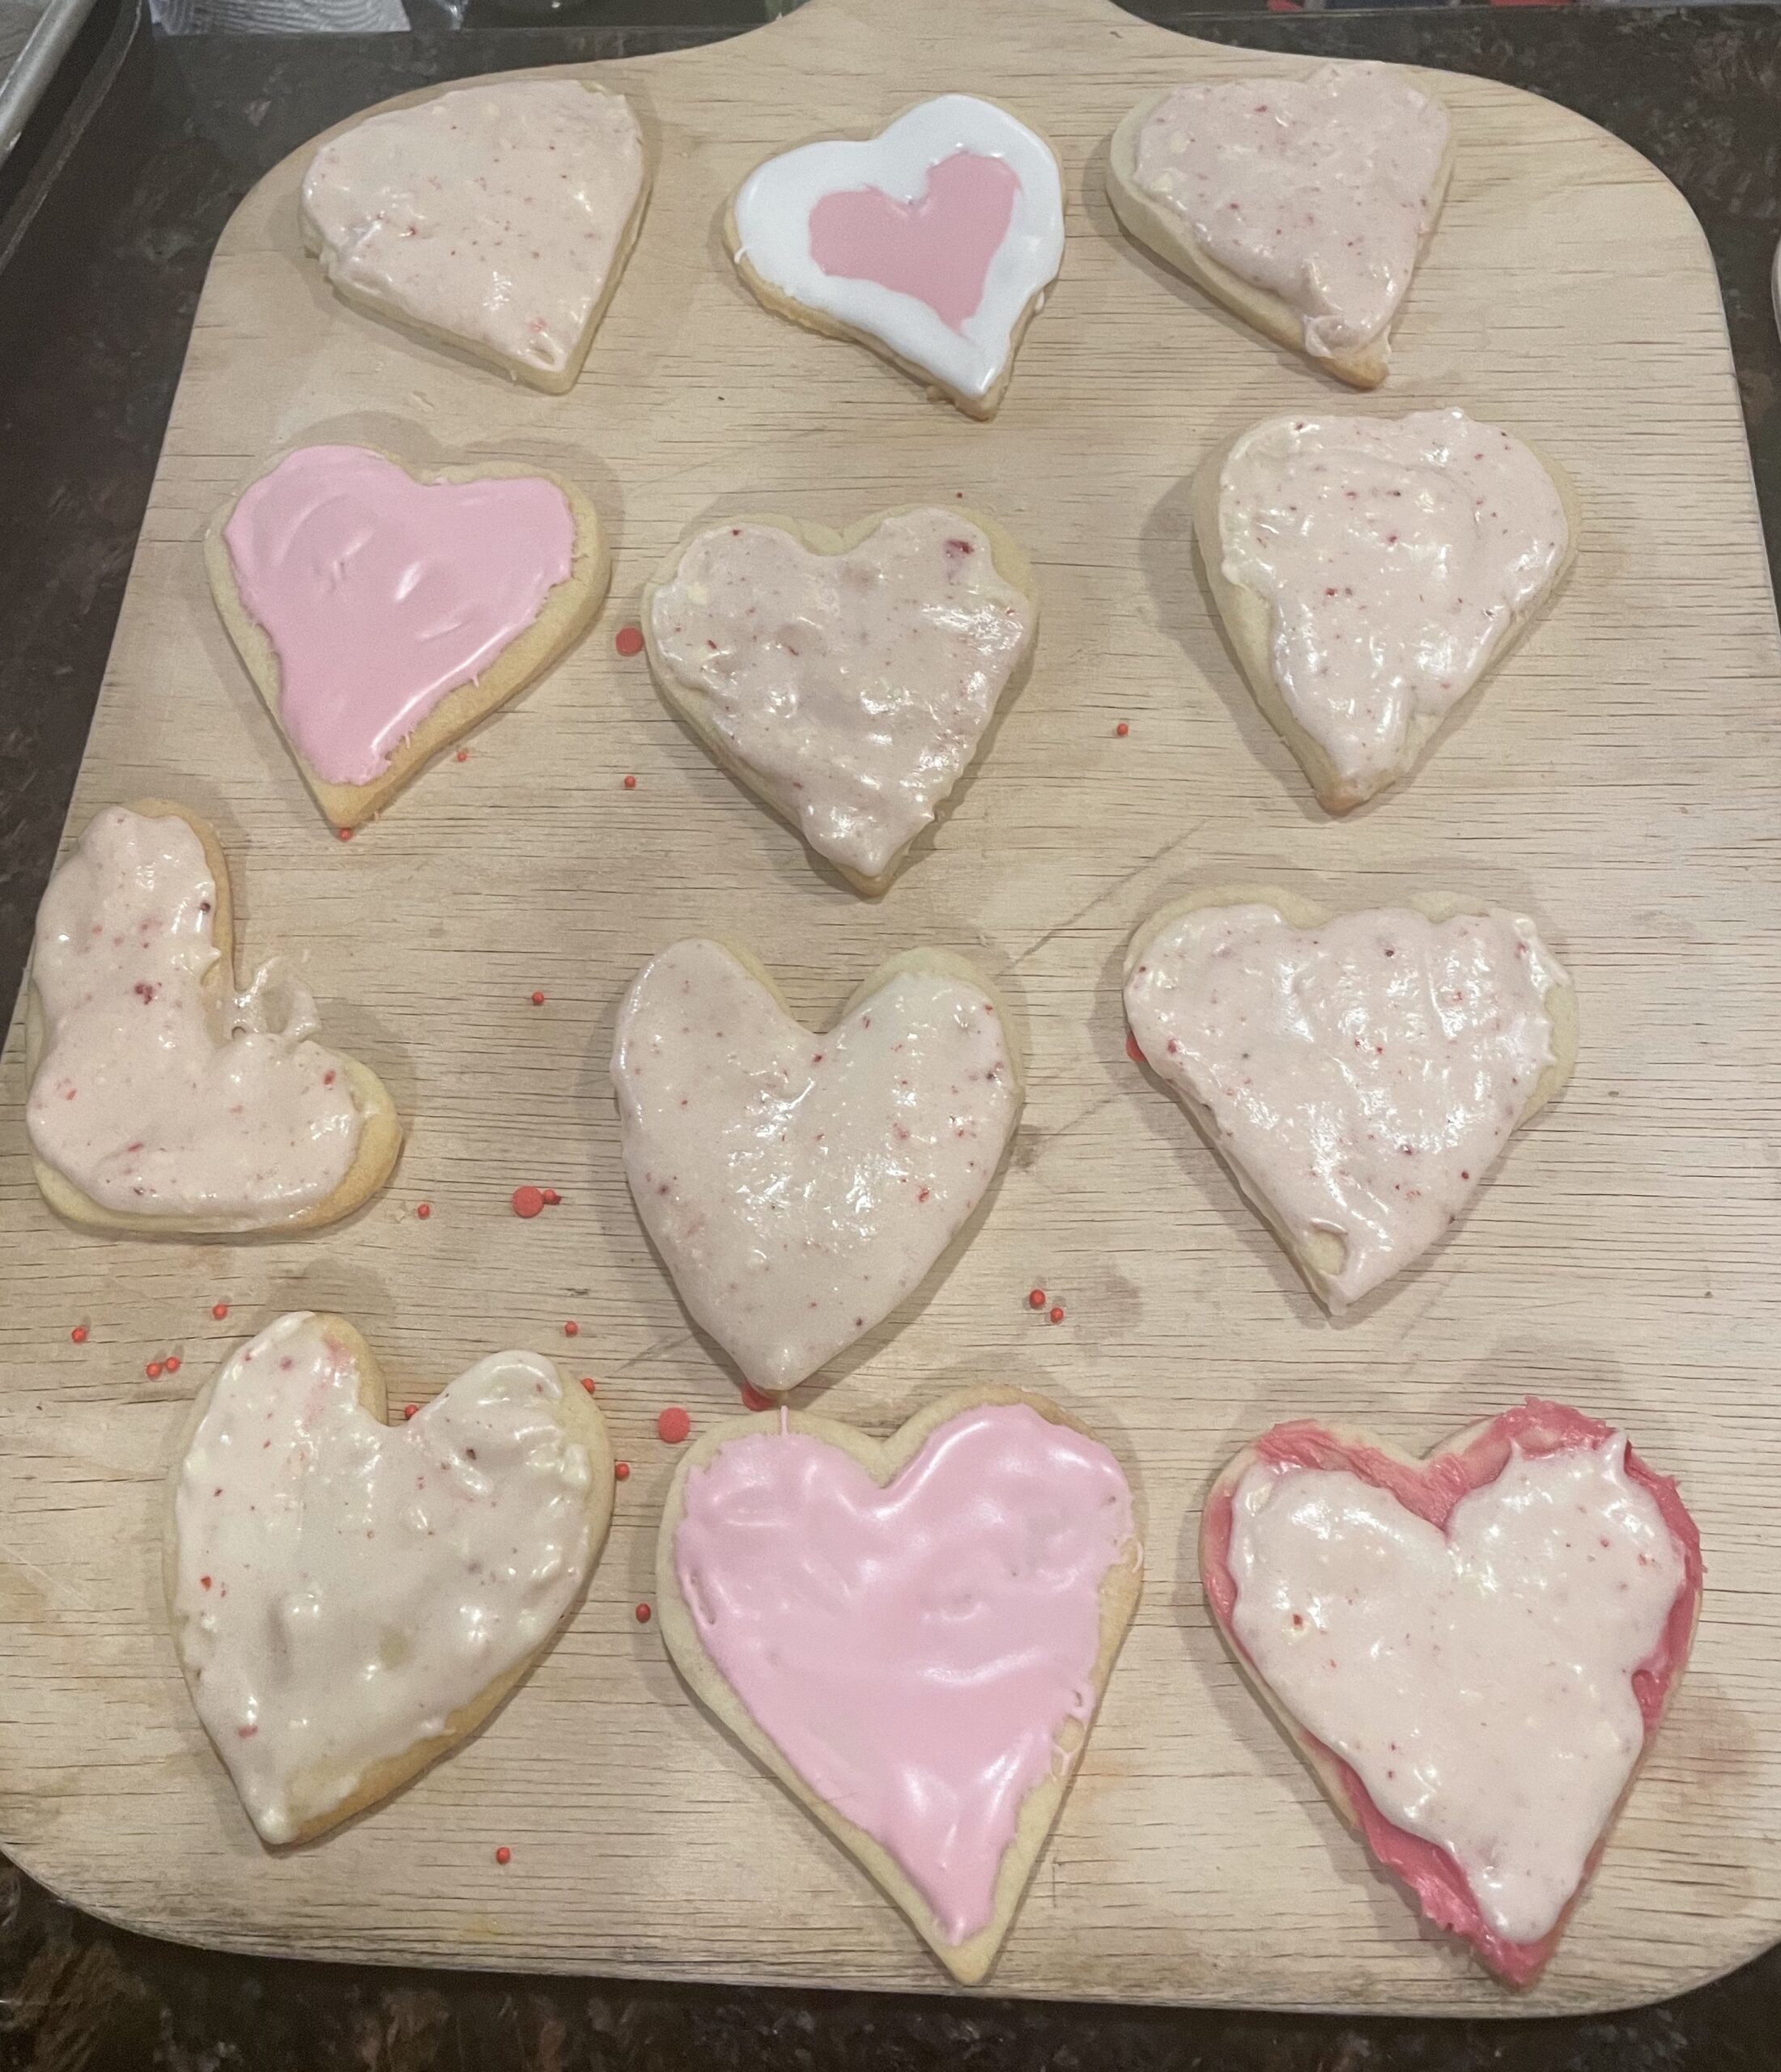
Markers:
(913, 1635)
(1359, 1072)
(933, 243)
(163, 1102)
(847, 678)
(798, 1187)
(1473, 1652)
(1372, 572)
(382, 614)
(351, 1599)
(493, 220)
(1303, 205)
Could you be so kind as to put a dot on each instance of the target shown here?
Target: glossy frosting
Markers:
(1478, 1679)
(1361, 1076)
(342, 1587)
(914, 1651)
(381, 594)
(854, 687)
(1394, 554)
(911, 237)
(1319, 190)
(493, 213)
(799, 1187)
(150, 1098)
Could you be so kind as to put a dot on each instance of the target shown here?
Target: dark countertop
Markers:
(93, 326)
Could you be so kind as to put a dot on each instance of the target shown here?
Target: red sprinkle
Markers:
(1122, 730)
(551, 1197)
(423, 1209)
(673, 1425)
(571, 1329)
(537, 999)
(463, 755)
(629, 640)
(527, 1201)
(587, 1382)
(1057, 1313)
(410, 1410)
(78, 1333)
(622, 1471)
(754, 1399)
(153, 1370)
(344, 833)
(171, 1365)
(1036, 1300)
(631, 784)
(219, 1310)
(204, 1582)
(1132, 1051)
(643, 1615)
(503, 1854)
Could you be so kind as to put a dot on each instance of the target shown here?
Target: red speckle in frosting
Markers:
(203, 1583)
(328, 1077)
(78, 1333)
(628, 640)
(144, 991)
(673, 1425)
(528, 1202)
(621, 1471)
(503, 1854)
(643, 1615)
(755, 1398)
(571, 1329)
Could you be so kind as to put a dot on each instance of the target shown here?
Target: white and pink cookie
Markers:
(350, 1599)
(1473, 1652)
(382, 613)
(799, 1188)
(162, 1101)
(494, 219)
(933, 243)
(847, 678)
(913, 1635)
(1359, 1073)
(1302, 205)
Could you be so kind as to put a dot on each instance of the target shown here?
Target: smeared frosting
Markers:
(1361, 1076)
(149, 1097)
(855, 687)
(492, 213)
(931, 237)
(799, 1187)
(1394, 554)
(342, 1587)
(916, 1652)
(381, 595)
(1319, 190)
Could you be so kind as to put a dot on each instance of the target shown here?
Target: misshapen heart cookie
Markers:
(383, 615)
(163, 1102)
(1472, 1652)
(933, 243)
(913, 1635)
(799, 1187)
(495, 219)
(847, 678)
(351, 1599)
(1360, 1072)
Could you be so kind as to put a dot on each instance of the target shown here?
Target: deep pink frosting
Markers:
(1431, 1489)
(913, 1651)
(381, 594)
(936, 248)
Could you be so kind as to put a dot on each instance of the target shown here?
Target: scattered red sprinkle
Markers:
(204, 1582)
(571, 1329)
(503, 1854)
(587, 1382)
(754, 1399)
(1057, 1313)
(171, 1363)
(1036, 1300)
(673, 1425)
(622, 1471)
(344, 833)
(1132, 1050)
(463, 755)
(631, 784)
(537, 999)
(410, 1410)
(643, 1615)
(527, 1201)
(78, 1333)
(219, 1310)
(1122, 730)
(423, 1209)
(153, 1370)
(629, 640)
(552, 1198)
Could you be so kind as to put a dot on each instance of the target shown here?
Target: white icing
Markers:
(1394, 554)
(1361, 1076)
(799, 1187)
(342, 1587)
(773, 216)
(855, 687)
(153, 1097)
(1479, 1680)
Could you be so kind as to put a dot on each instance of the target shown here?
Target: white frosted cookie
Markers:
(162, 1102)
(1370, 572)
(849, 678)
(1473, 1652)
(800, 1186)
(495, 219)
(1302, 205)
(933, 243)
(383, 615)
(913, 1635)
(1358, 1072)
(351, 1598)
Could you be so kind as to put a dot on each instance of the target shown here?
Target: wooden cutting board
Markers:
(1622, 780)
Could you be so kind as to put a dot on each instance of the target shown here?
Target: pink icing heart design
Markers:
(936, 248)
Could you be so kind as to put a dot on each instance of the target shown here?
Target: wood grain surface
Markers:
(1621, 779)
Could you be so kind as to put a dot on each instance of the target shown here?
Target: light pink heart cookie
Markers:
(913, 1635)
(1473, 1652)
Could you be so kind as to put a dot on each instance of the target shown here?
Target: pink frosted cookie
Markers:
(1473, 1652)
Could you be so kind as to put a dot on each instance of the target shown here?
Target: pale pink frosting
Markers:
(381, 594)
(914, 1651)
(938, 248)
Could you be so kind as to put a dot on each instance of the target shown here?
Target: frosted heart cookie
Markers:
(799, 1187)
(912, 1635)
(1372, 571)
(351, 1599)
(847, 678)
(495, 219)
(1359, 1073)
(1473, 1652)
(162, 1101)
(933, 243)
(382, 614)
(1302, 205)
